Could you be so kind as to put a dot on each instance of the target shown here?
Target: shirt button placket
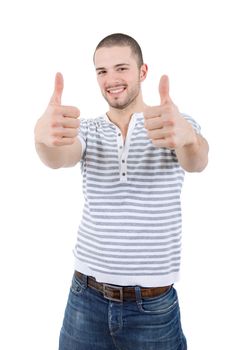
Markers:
(123, 168)
(121, 155)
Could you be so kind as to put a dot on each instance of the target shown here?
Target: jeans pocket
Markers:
(161, 305)
(162, 314)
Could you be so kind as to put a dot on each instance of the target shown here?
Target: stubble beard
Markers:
(130, 99)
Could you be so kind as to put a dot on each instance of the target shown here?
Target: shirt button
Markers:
(119, 134)
(123, 161)
(121, 147)
(123, 174)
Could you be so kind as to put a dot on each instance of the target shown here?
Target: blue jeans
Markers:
(92, 322)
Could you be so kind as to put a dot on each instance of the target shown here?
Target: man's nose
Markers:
(112, 79)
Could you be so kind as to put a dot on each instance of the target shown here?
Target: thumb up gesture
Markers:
(59, 125)
(165, 125)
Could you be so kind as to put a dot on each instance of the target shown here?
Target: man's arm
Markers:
(56, 132)
(57, 157)
(194, 157)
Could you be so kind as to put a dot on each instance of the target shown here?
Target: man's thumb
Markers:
(164, 89)
(58, 89)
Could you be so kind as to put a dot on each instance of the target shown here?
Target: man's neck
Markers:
(122, 117)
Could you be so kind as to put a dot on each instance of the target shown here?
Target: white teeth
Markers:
(116, 90)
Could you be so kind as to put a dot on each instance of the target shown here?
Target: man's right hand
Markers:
(58, 126)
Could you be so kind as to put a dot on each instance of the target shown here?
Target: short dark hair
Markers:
(119, 39)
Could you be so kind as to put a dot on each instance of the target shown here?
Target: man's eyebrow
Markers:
(100, 68)
(121, 64)
(116, 66)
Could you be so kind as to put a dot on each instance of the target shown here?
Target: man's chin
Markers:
(118, 104)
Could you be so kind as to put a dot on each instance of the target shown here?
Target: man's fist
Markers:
(166, 126)
(59, 125)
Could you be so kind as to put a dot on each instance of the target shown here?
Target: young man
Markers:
(133, 159)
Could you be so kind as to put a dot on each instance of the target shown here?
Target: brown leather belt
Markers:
(120, 293)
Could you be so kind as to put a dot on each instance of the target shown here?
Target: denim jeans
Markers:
(92, 322)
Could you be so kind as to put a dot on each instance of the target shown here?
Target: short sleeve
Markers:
(193, 122)
(82, 134)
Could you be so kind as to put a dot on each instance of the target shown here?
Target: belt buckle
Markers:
(108, 288)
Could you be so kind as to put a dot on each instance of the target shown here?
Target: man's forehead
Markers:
(113, 56)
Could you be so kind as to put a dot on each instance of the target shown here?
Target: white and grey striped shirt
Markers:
(130, 232)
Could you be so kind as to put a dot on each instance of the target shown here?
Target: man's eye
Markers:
(101, 72)
(122, 69)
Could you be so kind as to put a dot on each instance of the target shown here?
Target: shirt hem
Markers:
(147, 281)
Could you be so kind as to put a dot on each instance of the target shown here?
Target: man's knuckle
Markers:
(55, 120)
(55, 142)
(55, 132)
(172, 120)
(172, 142)
(54, 123)
(172, 134)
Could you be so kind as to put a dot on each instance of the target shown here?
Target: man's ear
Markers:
(143, 72)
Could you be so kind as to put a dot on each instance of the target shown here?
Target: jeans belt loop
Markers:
(138, 295)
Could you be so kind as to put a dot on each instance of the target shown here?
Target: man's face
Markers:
(118, 75)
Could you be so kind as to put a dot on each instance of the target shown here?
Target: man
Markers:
(133, 159)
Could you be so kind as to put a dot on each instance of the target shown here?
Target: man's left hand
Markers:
(166, 126)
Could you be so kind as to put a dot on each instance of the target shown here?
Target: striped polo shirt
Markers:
(130, 231)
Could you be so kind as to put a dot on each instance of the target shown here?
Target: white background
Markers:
(190, 41)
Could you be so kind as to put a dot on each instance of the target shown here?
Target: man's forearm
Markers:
(62, 156)
(52, 157)
(194, 157)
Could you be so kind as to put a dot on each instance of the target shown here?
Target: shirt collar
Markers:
(136, 116)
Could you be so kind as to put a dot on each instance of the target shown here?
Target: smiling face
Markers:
(119, 76)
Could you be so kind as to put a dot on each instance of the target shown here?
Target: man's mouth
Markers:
(116, 90)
